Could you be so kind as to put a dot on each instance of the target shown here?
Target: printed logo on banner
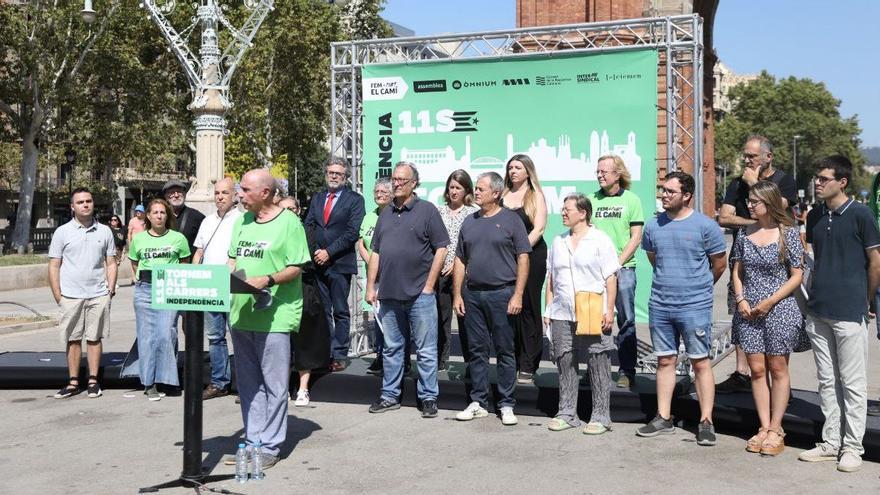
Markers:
(433, 86)
(384, 88)
(552, 80)
(592, 77)
(465, 121)
(488, 83)
(520, 81)
(622, 76)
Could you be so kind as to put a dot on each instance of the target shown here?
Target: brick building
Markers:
(531, 13)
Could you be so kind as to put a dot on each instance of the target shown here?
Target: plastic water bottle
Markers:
(258, 463)
(241, 469)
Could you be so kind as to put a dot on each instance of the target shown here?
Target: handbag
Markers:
(588, 307)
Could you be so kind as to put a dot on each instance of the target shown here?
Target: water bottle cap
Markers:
(241, 445)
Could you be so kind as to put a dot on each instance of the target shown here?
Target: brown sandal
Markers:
(774, 448)
(754, 444)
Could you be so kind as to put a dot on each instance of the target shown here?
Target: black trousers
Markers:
(444, 321)
(530, 326)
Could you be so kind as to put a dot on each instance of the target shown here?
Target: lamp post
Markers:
(70, 157)
(208, 74)
(794, 140)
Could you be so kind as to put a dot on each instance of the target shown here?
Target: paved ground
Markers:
(120, 442)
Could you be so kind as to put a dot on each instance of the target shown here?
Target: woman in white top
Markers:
(581, 259)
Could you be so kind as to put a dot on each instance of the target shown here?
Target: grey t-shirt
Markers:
(489, 247)
(406, 239)
(82, 251)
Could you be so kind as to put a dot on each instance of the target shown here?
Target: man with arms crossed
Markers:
(687, 251)
(212, 248)
(846, 274)
(82, 276)
(269, 244)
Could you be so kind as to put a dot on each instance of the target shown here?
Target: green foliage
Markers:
(780, 110)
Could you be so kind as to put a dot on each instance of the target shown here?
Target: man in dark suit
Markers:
(334, 218)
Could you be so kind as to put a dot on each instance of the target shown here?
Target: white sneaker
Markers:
(849, 462)
(507, 416)
(472, 411)
(821, 452)
(302, 398)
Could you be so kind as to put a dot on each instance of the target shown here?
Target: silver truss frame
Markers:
(678, 40)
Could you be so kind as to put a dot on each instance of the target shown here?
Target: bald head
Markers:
(257, 190)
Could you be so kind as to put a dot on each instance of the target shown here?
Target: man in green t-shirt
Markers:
(617, 211)
(269, 244)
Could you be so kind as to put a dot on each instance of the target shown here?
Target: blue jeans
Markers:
(334, 289)
(487, 321)
(402, 320)
(153, 357)
(669, 327)
(625, 304)
(215, 330)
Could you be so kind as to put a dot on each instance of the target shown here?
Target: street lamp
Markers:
(794, 140)
(70, 156)
(88, 12)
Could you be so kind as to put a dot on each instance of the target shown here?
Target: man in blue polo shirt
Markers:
(846, 274)
(409, 247)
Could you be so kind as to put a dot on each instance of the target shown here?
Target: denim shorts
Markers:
(668, 328)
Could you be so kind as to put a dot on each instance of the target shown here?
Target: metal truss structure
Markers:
(677, 39)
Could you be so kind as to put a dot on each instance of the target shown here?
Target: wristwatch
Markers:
(271, 281)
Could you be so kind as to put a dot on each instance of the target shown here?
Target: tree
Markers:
(782, 109)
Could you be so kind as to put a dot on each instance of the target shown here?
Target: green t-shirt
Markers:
(149, 250)
(367, 227)
(263, 249)
(614, 215)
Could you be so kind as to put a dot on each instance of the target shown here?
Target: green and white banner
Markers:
(563, 111)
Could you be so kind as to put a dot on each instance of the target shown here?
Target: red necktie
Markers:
(328, 206)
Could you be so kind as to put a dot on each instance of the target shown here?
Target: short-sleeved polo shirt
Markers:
(406, 238)
(83, 251)
(615, 215)
(489, 246)
(840, 241)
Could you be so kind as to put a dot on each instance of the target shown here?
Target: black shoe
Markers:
(442, 366)
(872, 410)
(737, 382)
(376, 368)
(429, 408)
(657, 426)
(68, 390)
(383, 405)
(706, 434)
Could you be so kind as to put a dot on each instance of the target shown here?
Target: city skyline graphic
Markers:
(553, 163)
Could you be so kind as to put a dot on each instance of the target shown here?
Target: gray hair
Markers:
(582, 203)
(496, 182)
(766, 145)
(412, 166)
(338, 160)
(383, 182)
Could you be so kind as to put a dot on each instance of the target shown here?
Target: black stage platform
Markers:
(734, 413)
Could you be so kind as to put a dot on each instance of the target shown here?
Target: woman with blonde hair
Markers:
(768, 324)
(523, 195)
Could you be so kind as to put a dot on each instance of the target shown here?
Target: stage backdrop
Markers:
(564, 112)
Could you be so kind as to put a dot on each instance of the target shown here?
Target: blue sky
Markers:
(801, 38)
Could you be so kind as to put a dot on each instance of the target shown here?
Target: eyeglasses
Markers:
(400, 181)
(603, 173)
(754, 202)
(750, 156)
(822, 180)
(335, 174)
(668, 192)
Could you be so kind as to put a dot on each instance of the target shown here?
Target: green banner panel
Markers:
(564, 112)
(191, 287)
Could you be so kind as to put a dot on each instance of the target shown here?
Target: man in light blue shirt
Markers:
(82, 276)
(688, 253)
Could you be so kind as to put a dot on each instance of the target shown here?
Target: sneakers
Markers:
(429, 408)
(153, 393)
(821, 452)
(94, 390)
(473, 411)
(269, 460)
(657, 426)
(874, 410)
(376, 367)
(849, 462)
(302, 398)
(212, 392)
(524, 378)
(706, 434)
(507, 416)
(624, 380)
(382, 405)
(737, 382)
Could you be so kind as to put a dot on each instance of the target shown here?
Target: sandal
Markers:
(754, 444)
(558, 424)
(774, 448)
(94, 389)
(72, 388)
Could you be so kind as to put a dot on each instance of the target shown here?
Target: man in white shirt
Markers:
(212, 248)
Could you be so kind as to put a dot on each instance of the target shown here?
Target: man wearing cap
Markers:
(136, 225)
(188, 219)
